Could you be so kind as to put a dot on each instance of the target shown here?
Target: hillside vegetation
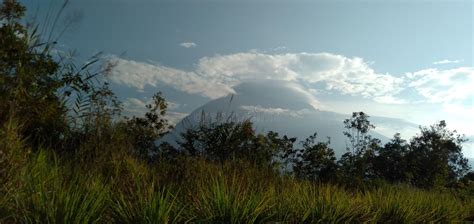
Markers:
(67, 155)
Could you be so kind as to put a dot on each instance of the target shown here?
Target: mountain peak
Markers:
(273, 94)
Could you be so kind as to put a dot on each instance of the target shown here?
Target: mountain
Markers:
(283, 107)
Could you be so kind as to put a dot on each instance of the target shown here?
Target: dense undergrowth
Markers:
(42, 188)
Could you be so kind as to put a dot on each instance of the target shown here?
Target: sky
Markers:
(408, 59)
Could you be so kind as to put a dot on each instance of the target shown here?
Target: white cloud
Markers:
(172, 105)
(280, 48)
(215, 76)
(443, 86)
(468, 150)
(388, 131)
(389, 100)
(257, 109)
(452, 90)
(446, 61)
(267, 110)
(188, 44)
(138, 75)
(460, 117)
(134, 107)
(350, 76)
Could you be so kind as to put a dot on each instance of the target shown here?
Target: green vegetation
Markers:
(68, 156)
(47, 190)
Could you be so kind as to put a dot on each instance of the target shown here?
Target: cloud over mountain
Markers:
(314, 75)
(215, 76)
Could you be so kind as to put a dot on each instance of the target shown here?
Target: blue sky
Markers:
(410, 59)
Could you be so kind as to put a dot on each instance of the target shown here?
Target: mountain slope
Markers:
(282, 107)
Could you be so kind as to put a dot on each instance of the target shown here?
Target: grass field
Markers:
(45, 189)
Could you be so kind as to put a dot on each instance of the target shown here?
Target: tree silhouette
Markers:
(391, 163)
(356, 165)
(435, 157)
(315, 161)
(28, 80)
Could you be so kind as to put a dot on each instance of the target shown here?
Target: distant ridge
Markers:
(276, 106)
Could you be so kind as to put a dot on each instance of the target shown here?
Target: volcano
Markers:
(284, 108)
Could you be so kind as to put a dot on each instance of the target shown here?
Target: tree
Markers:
(435, 156)
(38, 89)
(144, 131)
(233, 141)
(315, 161)
(59, 104)
(391, 161)
(358, 127)
(28, 80)
(357, 164)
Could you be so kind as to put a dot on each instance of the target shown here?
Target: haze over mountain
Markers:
(281, 107)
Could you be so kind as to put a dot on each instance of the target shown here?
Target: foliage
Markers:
(28, 80)
(356, 165)
(233, 141)
(315, 161)
(143, 131)
(391, 163)
(435, 157)
(358, 127)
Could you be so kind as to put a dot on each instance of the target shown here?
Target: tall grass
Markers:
(403, 204)
(49, 195)
(138, 197)
(304, 202)
(48, 190)
(223, 199)
(146, 206)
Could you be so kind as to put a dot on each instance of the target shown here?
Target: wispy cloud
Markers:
(350, 76)
(216, 76)
(280, 48)
(443, 86)
(446, 61)
(134, 107)
(312, 75)
(188, 44)
(274, 110)
(139, 74)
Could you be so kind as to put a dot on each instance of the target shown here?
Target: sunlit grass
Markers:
(404, 204)
(146, 206)
(130, 191)
(229, 200)
(47, 194)
(303, 202)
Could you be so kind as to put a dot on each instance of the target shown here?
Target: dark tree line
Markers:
(431, 158)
